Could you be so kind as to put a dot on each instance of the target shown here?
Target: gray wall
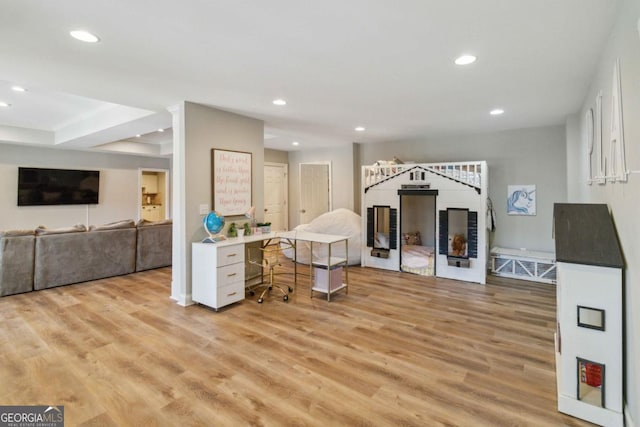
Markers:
(207, 128)
(342, 177)
(119, 191)
(276, 156)
(525, 156)
(622, 198)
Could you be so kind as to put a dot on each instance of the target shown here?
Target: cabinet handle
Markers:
(231, 275)
(231, 294)
(230, 255)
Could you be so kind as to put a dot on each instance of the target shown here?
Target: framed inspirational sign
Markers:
(230, 181)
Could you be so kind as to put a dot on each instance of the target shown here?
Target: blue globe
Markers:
(213, 223)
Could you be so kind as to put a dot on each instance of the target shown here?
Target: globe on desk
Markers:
(213, 223)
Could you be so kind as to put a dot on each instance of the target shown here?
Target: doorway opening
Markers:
(418, 231)
(155, 200)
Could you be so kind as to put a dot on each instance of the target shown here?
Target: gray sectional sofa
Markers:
(45, 258)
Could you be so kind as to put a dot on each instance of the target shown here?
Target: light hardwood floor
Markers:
(398, 350)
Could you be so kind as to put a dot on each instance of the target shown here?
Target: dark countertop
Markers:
(585, 234)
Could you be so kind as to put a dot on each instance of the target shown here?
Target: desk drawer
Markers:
(230, 254)
(230, 294)
(229, 274)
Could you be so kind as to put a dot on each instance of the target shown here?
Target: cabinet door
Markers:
(155, 213)
(147, 213)
(150, 183)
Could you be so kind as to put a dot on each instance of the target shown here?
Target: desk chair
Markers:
(268, 258)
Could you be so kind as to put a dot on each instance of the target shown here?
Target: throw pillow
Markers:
(128, 223)
(42, 230)
(412, 238)
(16, 233)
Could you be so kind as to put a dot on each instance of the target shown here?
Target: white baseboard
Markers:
(628, 421)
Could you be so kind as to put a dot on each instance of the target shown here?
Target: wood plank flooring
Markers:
(398, 350)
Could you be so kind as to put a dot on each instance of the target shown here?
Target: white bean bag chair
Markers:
(341, 222)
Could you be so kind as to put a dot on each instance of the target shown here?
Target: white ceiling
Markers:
(386, 65)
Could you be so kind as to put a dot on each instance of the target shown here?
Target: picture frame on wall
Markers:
(521, 199)
(231, 181)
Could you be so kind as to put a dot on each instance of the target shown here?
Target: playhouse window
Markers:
(458, 220)
(458, 235)
(381, 230)
(381, 227)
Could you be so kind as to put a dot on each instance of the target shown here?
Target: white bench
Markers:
(524, 264)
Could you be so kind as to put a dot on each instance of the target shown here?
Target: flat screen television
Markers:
(37, 187)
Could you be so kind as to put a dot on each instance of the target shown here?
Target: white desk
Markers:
(218, 277)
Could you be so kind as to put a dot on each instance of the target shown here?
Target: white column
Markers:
(179, 267)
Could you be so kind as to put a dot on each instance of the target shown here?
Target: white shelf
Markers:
(333, 291)
(322, 263)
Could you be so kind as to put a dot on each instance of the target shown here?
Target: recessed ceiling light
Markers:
(138, 135)
(465, 60)
(279, 102)
(496, 111)
(18, 88)
(160, 130)
(360, 129)
(84, 36)
(296, 143)
(4, 104)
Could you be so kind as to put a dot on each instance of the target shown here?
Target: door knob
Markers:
(303, 211)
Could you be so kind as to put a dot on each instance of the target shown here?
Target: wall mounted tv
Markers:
(37, 187)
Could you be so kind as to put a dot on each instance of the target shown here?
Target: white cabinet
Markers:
(217, 273)
(150, 183)
(152, 212)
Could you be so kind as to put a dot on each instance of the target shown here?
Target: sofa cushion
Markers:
(16, 263)
(127, 223)
(67, 258)
(153, 249)
(43, 230)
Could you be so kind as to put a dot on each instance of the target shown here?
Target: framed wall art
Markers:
(521, 199)
(231, 181)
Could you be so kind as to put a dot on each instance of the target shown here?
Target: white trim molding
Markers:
(617, 157)
(179, 292)
(628, 421)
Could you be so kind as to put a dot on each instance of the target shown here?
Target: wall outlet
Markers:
(204, 209)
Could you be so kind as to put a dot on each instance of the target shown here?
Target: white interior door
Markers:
(276, 189)
(315, 190)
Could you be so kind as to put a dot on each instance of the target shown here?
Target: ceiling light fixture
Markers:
(360, 129)
(84, 36)
(160, 130)
(296, 143)
(465, 60)
(18, 88)
(138, 135)
(279, 102)
(496, 112)
(4, 104)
